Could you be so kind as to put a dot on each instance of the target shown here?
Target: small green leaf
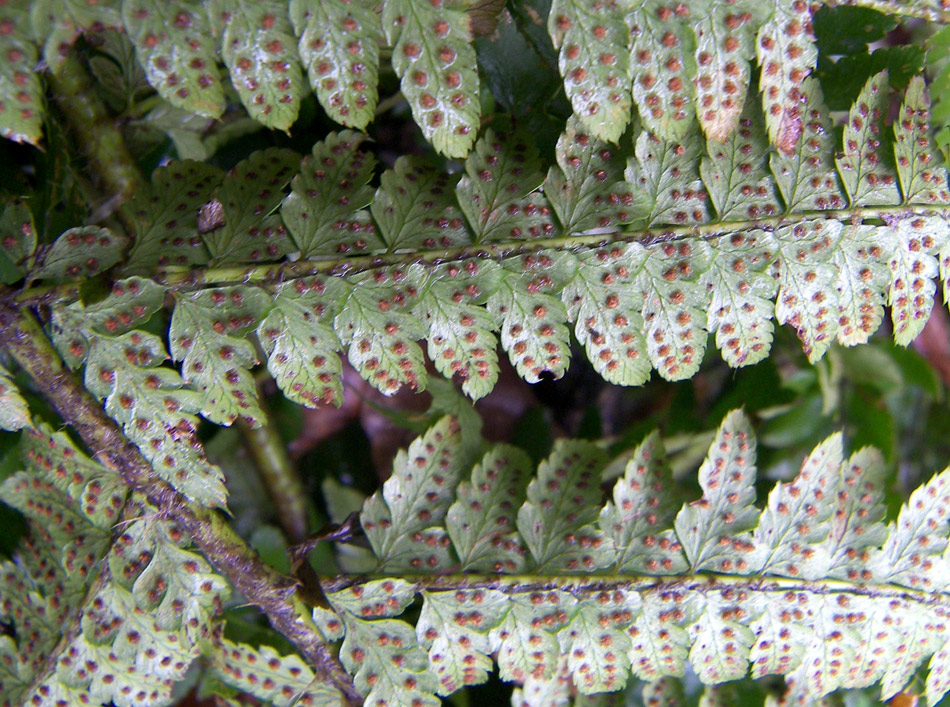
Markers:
(264, 673)
(741, 292)
(388, 666)
(403, 522)
(435, 61)
(920, 182)
(807, 297)
(207, 335)
(596, 646)
(796, 517)
(592, 39)
(21, 92)
(843, 79)
(586, 190)
(938, 678)
(912, 554)
(60, 22)
(376, 324)
(674, 323)
(714, 530)
(863, 279)
(81, 252)
(165, 215)
(530, 317)
(604, 303)
(725, 33)
(787, 54)
(461, 332)
(526, 647)
(176, 586)
(300, 343)
(734, 171)
(17, 238)
(130, 302)
(324, 210)
(14, 413)
(415, 209)
(662, 46)
(720, 637)
(863, 166)
(173, 45)
(339, 43)
(668, 174)
(659, 643)
(453, 627)
(247, 199)
(481, 521)
(556, 521)
(260, 50)
(497, 193)
(856, 525)
(913, 267)
(374, 599)
(640, 510)
(518, 76)
(805, 174)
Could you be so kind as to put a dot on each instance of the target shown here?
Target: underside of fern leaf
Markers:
(724, 587)
(676, 181)
(694, 237)
(675, 63)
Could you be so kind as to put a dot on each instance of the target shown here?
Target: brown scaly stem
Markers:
(276, 595)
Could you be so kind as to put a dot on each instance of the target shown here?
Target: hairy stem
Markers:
(276, 595)
(97, 134)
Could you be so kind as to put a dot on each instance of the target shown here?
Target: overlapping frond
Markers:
(670, 63)
(96, 615)
(590, 600)
(693, 237)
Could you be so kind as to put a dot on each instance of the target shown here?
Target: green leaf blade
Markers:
(863, 166)
(260, 51)
(300, 343)
(173, 45)
(591, 39)
(207, 336)
(339, 44)
(21, 93)
(435, 61)
(404, 521)
(481, 521)
(556, 520)
(714, 530)
(327, 199)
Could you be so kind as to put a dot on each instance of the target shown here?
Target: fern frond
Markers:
(96, 617)
(513, 256)
(809, 587)
(673, 62)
